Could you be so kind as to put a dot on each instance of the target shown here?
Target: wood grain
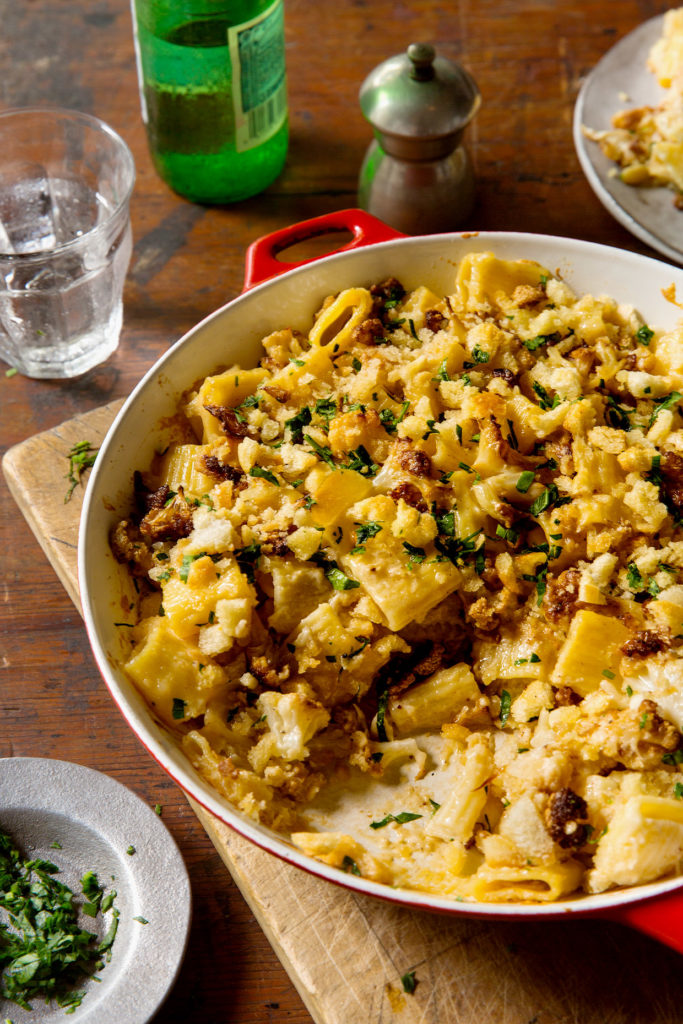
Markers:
(346, 953)
(529, 58)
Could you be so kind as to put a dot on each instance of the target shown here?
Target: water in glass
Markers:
(63, 262)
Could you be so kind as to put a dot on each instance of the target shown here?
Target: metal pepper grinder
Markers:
(417, 175)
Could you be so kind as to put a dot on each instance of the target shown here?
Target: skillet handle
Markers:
(261, 259)
(661, 918)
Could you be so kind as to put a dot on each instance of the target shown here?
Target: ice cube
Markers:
(26, 208)
(75, 208)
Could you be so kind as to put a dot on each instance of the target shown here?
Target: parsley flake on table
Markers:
(409, 982)
(81, 457)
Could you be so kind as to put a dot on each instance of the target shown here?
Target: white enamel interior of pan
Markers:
(232, 335)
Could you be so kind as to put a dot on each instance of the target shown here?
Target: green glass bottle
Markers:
(213, 94)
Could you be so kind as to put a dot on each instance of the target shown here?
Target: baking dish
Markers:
(278, 293)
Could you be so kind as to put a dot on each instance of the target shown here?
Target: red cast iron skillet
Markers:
(277, 294)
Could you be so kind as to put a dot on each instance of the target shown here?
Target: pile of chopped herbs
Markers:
(44, 953)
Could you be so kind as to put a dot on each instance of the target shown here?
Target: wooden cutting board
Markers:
(346, 953)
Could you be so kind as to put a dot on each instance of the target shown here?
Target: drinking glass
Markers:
(65, 240)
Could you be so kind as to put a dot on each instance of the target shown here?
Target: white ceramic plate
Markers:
(620, 81)
(95, 819)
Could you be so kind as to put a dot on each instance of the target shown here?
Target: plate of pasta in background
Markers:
(627, 129)
(402, 570)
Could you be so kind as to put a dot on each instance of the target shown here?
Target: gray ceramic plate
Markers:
(621, 80)
(95, 820)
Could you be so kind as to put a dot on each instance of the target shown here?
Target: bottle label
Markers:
(257, 52)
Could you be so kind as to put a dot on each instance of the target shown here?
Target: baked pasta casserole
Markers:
(411, 589)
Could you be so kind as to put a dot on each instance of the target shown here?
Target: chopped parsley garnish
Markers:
(666, 403)
(445, 523)
(338, 579)
(390, 420)
(44, 953)
(442, 372)
(327, 408)
(184, 570)
(644, 335)
(654, 474)
(533, 659)
(178, 710)
(250, 402)
(505, 705)
(525, 481)
(618, 416)
(397, 819)
(363, 641)
(678, 791)
(361, 462)
(297, 423)
(542, 339)
(265, 474)
(382, 702)
(540, 578)
(459, 550)
(479, 355)
(633, 577)
(349, 865)
(546, 402)
(322, 451)
(673, 757)
(533, 343)
(363, 532)
(507, 533)
(81, 457)
(414, 554)
(549, 498)
(247, 559)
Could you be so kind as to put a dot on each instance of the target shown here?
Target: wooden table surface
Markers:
(528, 58)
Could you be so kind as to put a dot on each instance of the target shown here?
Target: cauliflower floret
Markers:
(233, 622)
(661, 679)
(643, 385)
(642, 498)
(637, 847)
(523, 825)
(293, 720)
(595, 577)
(212, 533)
(413, 527)
(247, 453)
